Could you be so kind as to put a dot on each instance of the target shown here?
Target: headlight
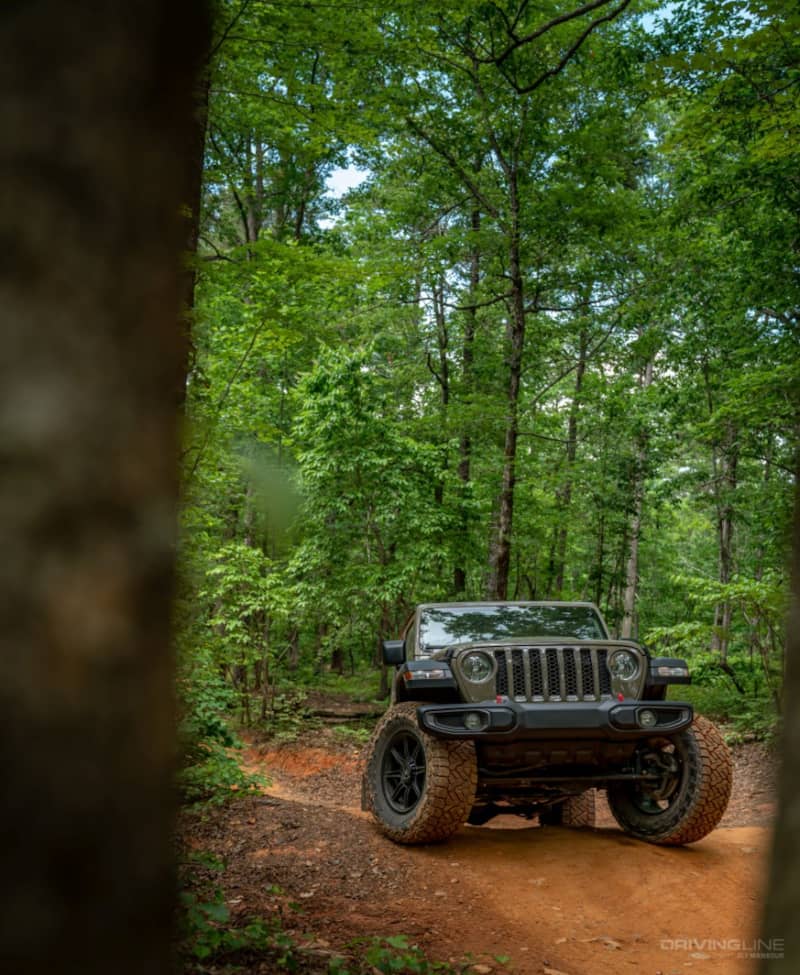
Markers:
(476, 666)
(623, 665)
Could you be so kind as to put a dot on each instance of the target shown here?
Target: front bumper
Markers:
(514, 720)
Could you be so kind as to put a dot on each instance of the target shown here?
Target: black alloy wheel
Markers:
(419, 788)
(403, 772)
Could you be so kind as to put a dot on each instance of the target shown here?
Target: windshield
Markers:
(440, 627)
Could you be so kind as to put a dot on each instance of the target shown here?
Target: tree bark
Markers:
(782, 906)
(564, 494)
(442, 375)
(726, 463)
(468, 379)
(92, 183)
(500, 553)
(193, 158)
(630, 623)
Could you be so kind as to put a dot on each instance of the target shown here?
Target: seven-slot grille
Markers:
(553, 673)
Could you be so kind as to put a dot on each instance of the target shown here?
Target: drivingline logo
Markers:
(754, 948)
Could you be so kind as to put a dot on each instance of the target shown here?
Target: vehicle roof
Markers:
(507, 602)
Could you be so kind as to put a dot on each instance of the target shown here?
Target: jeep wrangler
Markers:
(528, 708)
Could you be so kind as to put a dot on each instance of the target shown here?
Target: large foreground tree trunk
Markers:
(96, 112)
(783, 893)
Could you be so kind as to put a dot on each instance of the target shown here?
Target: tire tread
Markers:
(450, 781)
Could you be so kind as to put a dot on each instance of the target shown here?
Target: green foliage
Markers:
(287, 715)
(349, 417)
(207, 934)
(210, 771)
(751, 715)
(394, 955)
(212, 775)
(358, 734)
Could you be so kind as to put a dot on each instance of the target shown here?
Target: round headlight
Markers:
(623, 665)
(477, 666)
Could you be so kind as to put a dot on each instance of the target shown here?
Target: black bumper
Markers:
(513, 720)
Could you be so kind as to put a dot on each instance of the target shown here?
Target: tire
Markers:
(419, 789)
(693, 796)
(576, 812)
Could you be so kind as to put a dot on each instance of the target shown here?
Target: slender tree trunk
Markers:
(294, 649)
(468, 376)
(500, 552)
(96, 109)
(599, 558)
(630, 623)
(758, 569)
(194, 191)
(629, 627)
(564, 494)
(725, 483)
(384, 633)
(442, 374)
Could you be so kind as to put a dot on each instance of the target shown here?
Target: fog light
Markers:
(647, 718)
(473, 721)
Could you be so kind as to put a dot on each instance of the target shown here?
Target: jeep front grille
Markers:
(553, 673)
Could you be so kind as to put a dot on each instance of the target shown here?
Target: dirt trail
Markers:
(553, 899)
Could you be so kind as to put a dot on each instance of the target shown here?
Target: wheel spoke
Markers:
(403, 772)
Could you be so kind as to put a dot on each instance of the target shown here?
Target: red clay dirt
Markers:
(555, 900)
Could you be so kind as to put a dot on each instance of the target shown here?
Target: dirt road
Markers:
(553, 899)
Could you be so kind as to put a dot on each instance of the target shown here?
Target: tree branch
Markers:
(518, 42)
(448, 156)
(224, 35)
(552, 72)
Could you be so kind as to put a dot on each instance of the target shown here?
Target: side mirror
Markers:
(394, 652)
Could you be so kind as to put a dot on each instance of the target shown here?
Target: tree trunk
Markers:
(783, 890)
(442, 374)
(337, 660)
(294, 649)
(194, 187)
(100, 107)
(564, 494)
(725, 479)
(500, 553)
(384, 633)
(629, 628)
(468, 377)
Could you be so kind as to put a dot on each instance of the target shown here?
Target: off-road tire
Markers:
(448, 792)
(701, 797)
(576, 812)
